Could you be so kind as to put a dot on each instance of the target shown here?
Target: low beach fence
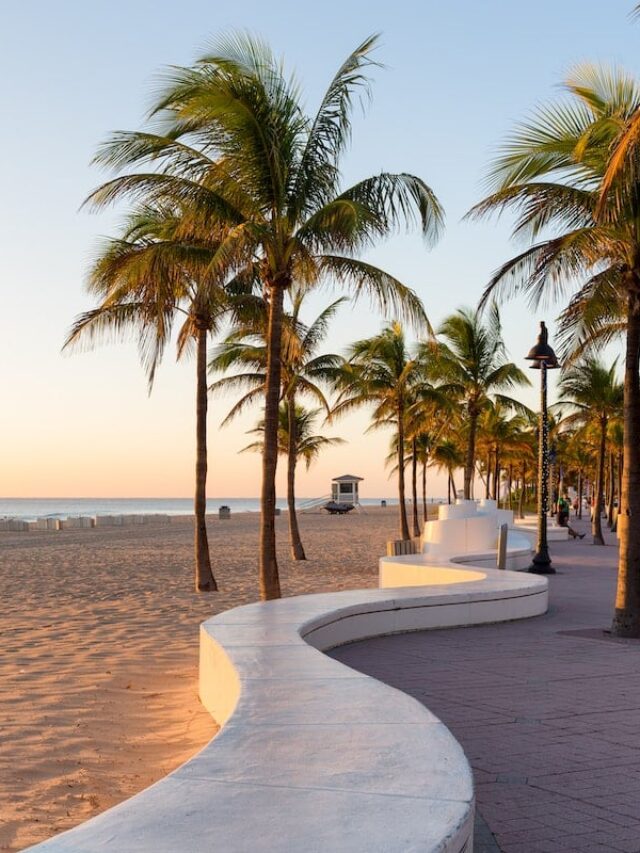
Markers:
(82, 522)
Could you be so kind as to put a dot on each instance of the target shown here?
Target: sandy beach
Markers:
(99, 640)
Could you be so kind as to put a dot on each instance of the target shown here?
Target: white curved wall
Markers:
(467, 527)
(312, 755)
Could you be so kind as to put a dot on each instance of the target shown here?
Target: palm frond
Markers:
(317, 174)
(390, 295)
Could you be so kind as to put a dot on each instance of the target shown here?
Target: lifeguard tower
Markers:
(344, 489)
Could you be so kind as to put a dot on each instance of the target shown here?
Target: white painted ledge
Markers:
(314, 756)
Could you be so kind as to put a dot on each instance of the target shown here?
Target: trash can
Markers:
(224, 512)
(277, 511)
(383, 503)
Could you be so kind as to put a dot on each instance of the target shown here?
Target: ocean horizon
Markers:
(31, 508)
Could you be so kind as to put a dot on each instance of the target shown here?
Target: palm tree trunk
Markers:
(487, 490)
(496, 478)
(297, 548)
(619, 487)
(453, 485)
(612, 490)
(448, 487)
(626, 621)
(414, 486)
(404, 524)
(425, 514)
(205, 581)
(580, 489)
(560, 481)
(596, 522)
(523, 489)
(269, 577)
(509, 485)
(470, 463)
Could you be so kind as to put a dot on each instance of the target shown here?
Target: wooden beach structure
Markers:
(344, 489)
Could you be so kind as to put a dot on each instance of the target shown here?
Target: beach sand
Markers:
(99, 651)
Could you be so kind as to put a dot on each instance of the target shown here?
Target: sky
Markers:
(457, 77)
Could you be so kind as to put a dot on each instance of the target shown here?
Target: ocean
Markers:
(31, 508)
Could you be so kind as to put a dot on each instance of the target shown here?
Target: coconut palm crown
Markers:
(472, 362)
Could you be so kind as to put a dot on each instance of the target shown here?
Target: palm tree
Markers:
(448, 455)
(595, 393)
(145, 280)
(303, 372)
(424, 445)
(580, 460)
(426, 420)
(381, 371)
(505, 438)
(473, 360)
(526, 463)
(237, 145)
(308, 445)
(561, 171)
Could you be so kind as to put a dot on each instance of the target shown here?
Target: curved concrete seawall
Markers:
(312, 755)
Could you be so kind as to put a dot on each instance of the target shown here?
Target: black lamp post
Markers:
(543, 358)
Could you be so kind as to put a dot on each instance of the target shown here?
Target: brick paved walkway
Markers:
(547, 711)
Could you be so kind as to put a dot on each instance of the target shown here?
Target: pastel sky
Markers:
(458, 75)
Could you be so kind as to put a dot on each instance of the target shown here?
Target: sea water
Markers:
(30, 508)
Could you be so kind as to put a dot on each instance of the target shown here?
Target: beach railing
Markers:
(313, 503)
(82, 522)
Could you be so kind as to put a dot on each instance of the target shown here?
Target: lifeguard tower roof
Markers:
(347, 478)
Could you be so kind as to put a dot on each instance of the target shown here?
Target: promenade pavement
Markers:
(547, 711)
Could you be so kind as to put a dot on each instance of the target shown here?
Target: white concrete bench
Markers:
(314, 756)
(465, 533)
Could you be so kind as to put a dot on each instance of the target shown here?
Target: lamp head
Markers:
(542, 353)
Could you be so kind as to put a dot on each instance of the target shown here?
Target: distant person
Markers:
(563, 517)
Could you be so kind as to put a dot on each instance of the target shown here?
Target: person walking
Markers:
(563, 516)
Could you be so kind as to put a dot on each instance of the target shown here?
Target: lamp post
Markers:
(543, 358)
(553, 456)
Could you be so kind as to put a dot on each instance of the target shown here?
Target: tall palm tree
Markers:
(381, 372)
(236, 144)
(557, 171)
(474, 363)
(146, 280)
(304, 371)
(594, 391)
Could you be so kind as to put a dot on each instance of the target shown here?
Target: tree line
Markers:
(237, 211)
